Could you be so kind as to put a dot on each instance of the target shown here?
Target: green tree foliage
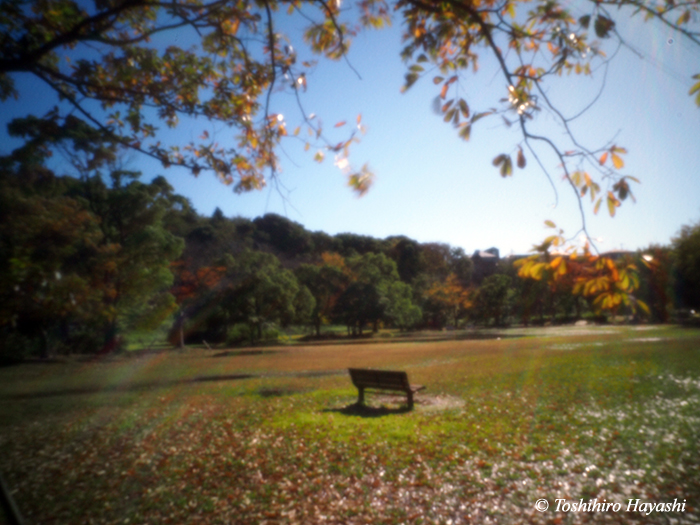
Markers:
(50, 270)
(136, 281)
(359, 305)
(210, 239)
(400, 310)
(84, 256)
(440, 260)
(139, 279)
(441, 286)
(375, 294)
(531, 298)
(180, 217)
(407, 255)
(259, 293)
(354, 244)
(325, 282)
(491, 299)
(372, 268)
(686, 248)
(286, 237)
(656, 268)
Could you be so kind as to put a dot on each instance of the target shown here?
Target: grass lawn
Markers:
(271, 435)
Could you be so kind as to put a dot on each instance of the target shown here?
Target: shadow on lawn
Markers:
(359, 410)
(236, 353)
(418, 337)
(136, 387)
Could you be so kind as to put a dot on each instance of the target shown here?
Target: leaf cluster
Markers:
(610, 283)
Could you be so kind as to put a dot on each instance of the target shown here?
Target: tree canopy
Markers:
(126, 67)
(91, 263)
(82, 260)
(687, 253)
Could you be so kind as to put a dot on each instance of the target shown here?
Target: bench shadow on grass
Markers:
(361, 410)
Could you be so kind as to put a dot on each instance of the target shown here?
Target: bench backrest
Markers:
(387, 379)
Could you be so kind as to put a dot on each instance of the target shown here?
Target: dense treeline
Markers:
(82, 259)
(86, 260)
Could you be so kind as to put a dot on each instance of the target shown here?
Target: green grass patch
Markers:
(254, 435)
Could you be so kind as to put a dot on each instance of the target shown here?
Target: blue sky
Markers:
(434, 187)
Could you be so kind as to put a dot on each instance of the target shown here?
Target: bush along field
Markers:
(578, 418)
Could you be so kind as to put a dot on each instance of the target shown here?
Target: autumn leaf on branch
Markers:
(532, 52)
(105, 70)
(608, 283)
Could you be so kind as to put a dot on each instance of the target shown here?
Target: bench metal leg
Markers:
(360, 396)
(410, 400)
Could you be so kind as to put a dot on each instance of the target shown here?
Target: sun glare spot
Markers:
(342, 163)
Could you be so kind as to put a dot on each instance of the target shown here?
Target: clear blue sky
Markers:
(433, 186)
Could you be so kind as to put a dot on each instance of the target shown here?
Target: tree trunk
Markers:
(46, 346)
(181, 322)
(110, 338)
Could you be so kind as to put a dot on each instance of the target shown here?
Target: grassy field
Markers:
(272, 435)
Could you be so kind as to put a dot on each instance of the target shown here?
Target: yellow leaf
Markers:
(510, 9)
(562, 268)
(617, 161)
(612, 204)
(643, 306)
(537, 271)
(603, 158)
(230, 27)
(695, 88)
(624, 282)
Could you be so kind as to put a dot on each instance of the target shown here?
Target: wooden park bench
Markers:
(364, 378)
